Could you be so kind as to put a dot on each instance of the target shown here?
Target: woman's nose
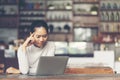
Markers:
(41, 38)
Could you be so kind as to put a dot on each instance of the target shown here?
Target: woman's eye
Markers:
(37, 36)
(44, 36)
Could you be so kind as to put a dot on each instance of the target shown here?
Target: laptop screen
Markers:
(51, 65)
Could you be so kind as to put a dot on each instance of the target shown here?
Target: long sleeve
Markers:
(23, 61)
(28, 61)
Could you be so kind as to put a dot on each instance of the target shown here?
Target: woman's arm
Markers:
(22, 55)
(22, 61)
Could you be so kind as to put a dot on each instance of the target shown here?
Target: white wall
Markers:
(101, 58)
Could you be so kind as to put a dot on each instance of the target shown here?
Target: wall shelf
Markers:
(109, 17)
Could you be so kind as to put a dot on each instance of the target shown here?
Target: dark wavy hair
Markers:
(37, 24)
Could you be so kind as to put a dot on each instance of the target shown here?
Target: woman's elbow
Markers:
(24, 71)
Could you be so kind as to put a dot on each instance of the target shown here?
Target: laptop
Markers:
(51, 65)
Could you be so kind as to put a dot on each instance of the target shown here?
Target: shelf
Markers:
(78, 2)
(111, 33)
(57, 20)
(109, 9)
(9, 4)
(75, 13)
(83, 12)
(109, 18)
(53, 33)
(58, 0)
(8, 21)
(85, 15)
(26, 21)
(101, 42)
(60, 37)
(91, 27)
(64, 10)
(32, 10)
(86, 25)
(9, 15)
(8, 26)
(102, 21)
(31, 15)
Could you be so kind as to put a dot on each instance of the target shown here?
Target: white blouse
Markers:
(28, 60)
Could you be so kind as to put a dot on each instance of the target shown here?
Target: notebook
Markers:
(51, 65)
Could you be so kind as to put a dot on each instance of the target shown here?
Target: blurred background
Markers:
(78, 27)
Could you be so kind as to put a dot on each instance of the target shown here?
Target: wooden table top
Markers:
(62, 77)
(90, 73)
(90, 70)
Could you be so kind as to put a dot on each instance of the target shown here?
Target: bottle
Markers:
(115, 6)
(118, 27)
(112, 16)
(108, 6)
(102, 16)
(107, 28)
(107, 16)
(117, 16)
(103, 6)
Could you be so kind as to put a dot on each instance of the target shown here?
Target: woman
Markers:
(35, 45)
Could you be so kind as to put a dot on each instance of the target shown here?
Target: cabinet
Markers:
(9, 13)
(85, 13)
(109, 19)
(65, 16)
(9, 20)
(58, 15)
(30, 10)
(85, 19)
(62, 16)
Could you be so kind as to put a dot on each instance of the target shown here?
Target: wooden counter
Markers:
(90, 70)
(63, 77)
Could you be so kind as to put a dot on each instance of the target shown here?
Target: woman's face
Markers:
(40, 36)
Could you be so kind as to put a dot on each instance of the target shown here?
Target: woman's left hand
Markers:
(12, 70)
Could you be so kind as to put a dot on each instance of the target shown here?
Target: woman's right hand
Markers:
(28, 41)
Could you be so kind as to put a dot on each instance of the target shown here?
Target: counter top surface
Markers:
(62, 77)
